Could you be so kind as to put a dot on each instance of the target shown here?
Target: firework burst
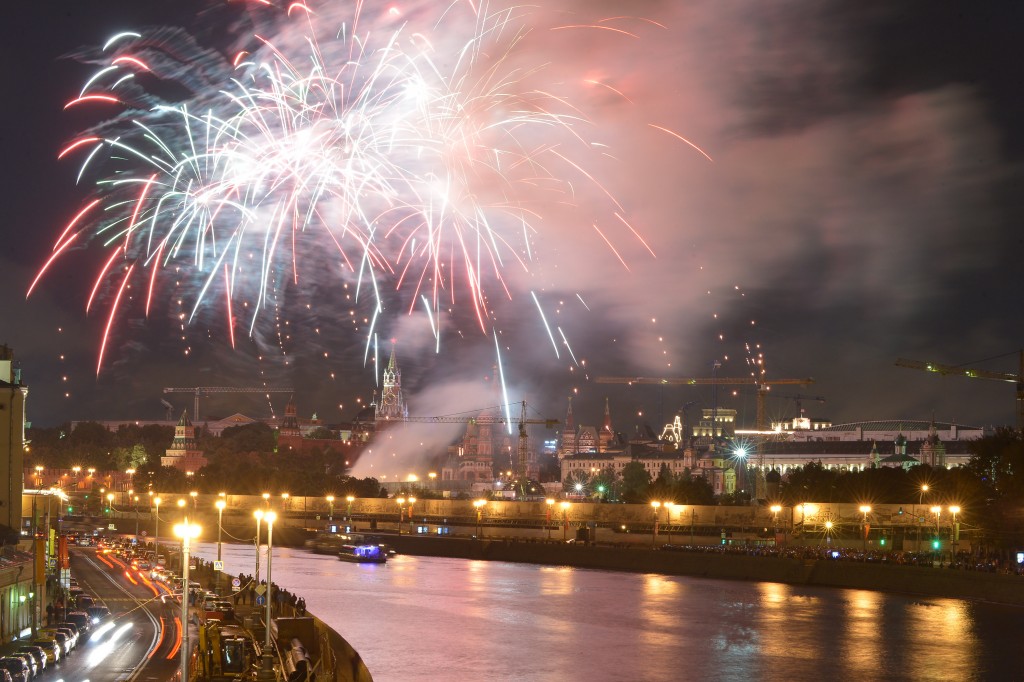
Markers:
(375, 152)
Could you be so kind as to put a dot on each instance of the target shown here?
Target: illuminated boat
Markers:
(363, 554)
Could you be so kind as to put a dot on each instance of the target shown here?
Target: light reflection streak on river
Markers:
(424, 618)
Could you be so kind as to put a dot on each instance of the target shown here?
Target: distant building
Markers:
(184, 453)
(13, 395)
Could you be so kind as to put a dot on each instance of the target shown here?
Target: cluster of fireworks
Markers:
(377, 157)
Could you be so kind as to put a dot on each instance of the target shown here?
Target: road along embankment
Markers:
(919, 580)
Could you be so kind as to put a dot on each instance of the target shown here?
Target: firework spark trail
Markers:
(412, 158)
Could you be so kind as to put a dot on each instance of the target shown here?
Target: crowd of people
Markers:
(248, 591)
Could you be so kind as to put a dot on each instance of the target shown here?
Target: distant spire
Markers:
(607, 426)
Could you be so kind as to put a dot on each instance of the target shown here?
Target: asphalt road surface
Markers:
(141, 642)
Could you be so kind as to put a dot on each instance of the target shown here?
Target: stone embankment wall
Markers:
(927, 581)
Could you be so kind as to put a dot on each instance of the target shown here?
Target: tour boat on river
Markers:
(363, 554)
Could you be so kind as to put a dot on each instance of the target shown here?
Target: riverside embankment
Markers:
(919, 580)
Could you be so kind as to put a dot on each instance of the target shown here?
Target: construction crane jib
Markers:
(761, 384)
(970, 373)
(201, 391)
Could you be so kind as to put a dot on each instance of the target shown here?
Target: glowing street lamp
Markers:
(775, 509)
(258, 515)
(186, 532)
(655, 505)
(412, 501)
(479, 504)
(865, 509)
(954, 528)
(156, 533)
(348, 514)
(268, 661)
(401, 511)
(220, 504)
(110, 504)
(937, 510)
(266, 500)
(330, 507)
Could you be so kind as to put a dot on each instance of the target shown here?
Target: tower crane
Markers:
(205, 391)
(522, 450)
(964, 371)
(798, 400)
(762, 386)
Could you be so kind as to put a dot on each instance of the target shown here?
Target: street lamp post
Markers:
(411, 501)
(156, 533)
(865, 510)
(954, 529)
(110, 506)
(917, 519)
(547, 522)
(268, 662)
(220, 504)
(655, 505)
(937, 510)
(186, 532)
(479, 504)
(330, 507)
(348, 513)
(401, 510)
(258, 515)
(195, 501)
(135, 499)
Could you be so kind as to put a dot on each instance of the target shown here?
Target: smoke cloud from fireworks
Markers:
(827, 201)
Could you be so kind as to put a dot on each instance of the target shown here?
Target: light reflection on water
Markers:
(424, 618)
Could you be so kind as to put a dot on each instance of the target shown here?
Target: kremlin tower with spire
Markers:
(392, 405)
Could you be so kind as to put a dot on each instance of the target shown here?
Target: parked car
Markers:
(81, 620)
(18, 669)
(62, 640)
(37, 653)
(33, 669)
(51, 647)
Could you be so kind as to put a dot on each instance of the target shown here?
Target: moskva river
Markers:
(424, 618)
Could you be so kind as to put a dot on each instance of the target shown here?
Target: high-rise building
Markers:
(12, 439)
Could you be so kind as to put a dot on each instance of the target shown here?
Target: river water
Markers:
(426, 618)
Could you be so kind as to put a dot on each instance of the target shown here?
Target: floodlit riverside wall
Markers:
(927, 581)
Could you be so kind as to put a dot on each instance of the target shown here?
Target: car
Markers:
(70, 625)
(81, 620)
(18, 669)
(50, 647)
(62, 639)
(98, 613)
(37, 653)
(67, 632)
(33, 669)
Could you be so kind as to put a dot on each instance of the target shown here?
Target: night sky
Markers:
(863, 204)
